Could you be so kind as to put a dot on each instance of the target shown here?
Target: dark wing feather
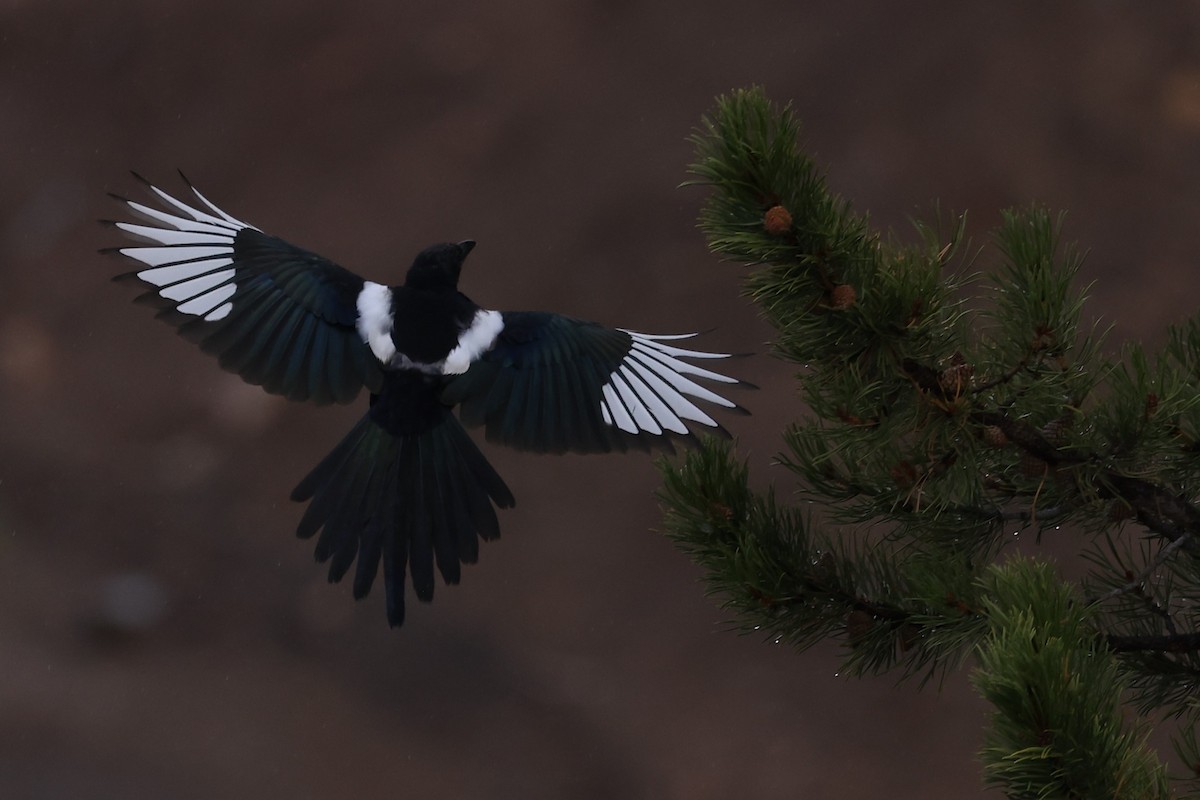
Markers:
(555, 384)
(275, 314)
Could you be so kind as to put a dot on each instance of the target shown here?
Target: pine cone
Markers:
(993, 436)
(1055, 431)
(842, 296)
(956, 379)
(777, 221)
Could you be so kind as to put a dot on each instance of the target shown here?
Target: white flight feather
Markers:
(648, 391)
(619, 415)
(655, 404)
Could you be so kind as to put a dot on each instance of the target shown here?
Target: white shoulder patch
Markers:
(474, 341)
(375, 320)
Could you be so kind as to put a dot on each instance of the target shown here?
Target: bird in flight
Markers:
(407, 488)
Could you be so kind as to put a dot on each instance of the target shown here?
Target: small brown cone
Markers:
(1151, 404)
(777, 221)
(842, 296)
(993, 436)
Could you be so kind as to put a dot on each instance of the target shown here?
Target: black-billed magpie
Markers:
(407, 487)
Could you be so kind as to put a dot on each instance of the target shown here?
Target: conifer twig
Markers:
(1170, 643)
(1144, 575)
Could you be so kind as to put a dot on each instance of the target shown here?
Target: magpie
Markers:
(407, 488)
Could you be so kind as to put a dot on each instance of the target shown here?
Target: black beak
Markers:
(466, 246)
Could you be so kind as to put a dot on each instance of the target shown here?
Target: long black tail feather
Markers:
(410, 500)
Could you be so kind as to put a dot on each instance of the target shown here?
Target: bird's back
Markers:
(427, 324)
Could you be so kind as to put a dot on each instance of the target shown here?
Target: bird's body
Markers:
(408, 488)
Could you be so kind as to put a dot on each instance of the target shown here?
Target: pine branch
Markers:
(790, 584)
(1173, 643)
(1057, 730)
(1157, 508)
(938, 419)
(1140, 580)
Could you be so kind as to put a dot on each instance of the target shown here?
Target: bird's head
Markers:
(438, 266)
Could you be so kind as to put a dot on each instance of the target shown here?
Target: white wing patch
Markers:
(375, 320)
(474, 341)
(649, 391)
(189, 253)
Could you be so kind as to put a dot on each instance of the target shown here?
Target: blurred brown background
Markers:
(163, 635)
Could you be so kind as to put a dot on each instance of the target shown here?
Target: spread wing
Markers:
(275, 314)
(554, 384)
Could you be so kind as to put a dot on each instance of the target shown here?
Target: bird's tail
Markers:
(410, 499)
